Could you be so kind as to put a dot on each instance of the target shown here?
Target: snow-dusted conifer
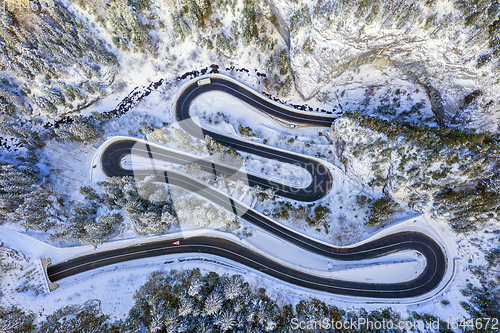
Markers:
(213, 303)
(232, 286)
(226, 320)
(156, 323)
(194, 288)
(186, 306)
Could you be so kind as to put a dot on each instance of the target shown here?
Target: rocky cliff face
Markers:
(430, 44)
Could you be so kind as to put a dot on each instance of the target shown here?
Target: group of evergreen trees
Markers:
(128, 21)
(189, 301)
(10, 260)
(15, 320)
(86, 226)
(472, 205)
(85, 318)
(381, 209)
(453, 170)
(45, 52)
(253, 25)
(23, 199)
(315, 215)
(146, 204)
(173, 137)
(300, 18)
(11, 100)
(27, 194)
(484, 298)
(223, 152)
(79, 128)
(481, 14)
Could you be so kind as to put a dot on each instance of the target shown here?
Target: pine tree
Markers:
(232, 286)
(186, 306)
(89, 193)
(213, 303)
(97, 232)
(204, 328)
(28, 137)
(194, 288)
(171, 320)
(226, 320)
(156, 323)
(283, 62)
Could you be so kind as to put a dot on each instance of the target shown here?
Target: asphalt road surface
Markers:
(321, 183)
(223, 248)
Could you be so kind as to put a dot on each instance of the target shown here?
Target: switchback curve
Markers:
(113, 154)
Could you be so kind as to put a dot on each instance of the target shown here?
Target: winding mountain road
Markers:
(111, 162)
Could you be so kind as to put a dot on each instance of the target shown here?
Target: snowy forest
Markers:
(414, 86)
(188, 301)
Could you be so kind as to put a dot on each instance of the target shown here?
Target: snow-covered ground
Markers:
(351, 64)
